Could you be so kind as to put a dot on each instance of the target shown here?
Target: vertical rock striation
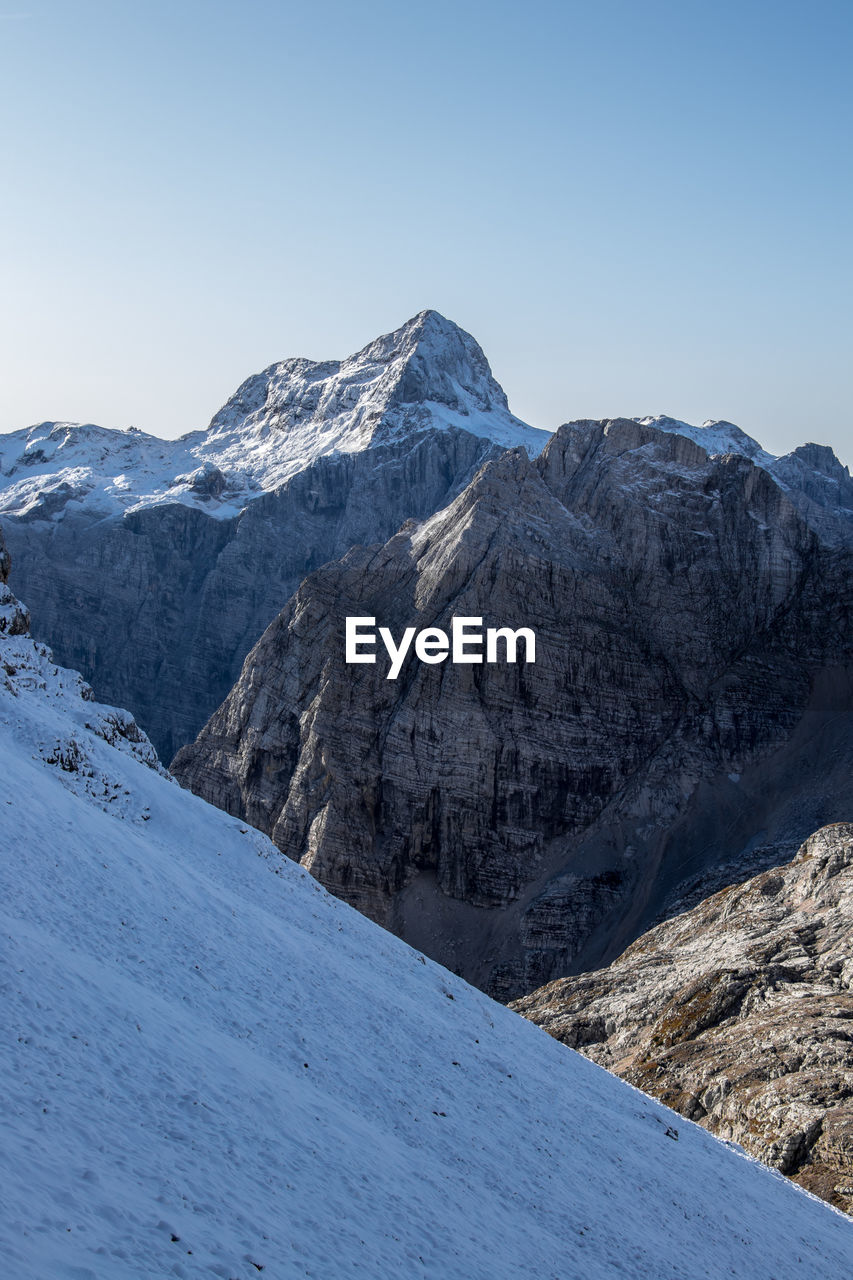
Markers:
(159, 606)
(518, 821)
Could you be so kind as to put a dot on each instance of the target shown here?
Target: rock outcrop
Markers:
(818, 485)
(821, 489)
(14, 618)
(690, 700)
(739, 1014)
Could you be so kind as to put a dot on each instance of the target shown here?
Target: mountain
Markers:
(427, 375)
(691, 703)
(153, 566)
(739, 1014)
(210, 1067)
(817, 484)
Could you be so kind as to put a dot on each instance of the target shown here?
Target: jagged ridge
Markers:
(517, 822)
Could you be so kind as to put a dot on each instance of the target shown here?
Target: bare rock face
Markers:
(821, 489)
(739, 1015)
(159, 606)
(14, 618)
(28, 671)
(5, 559)
(523, 821)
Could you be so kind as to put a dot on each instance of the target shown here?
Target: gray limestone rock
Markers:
(27, 667)
(14, 618)
(693, 682)
(821, 489)
(5, 559)
(158, 606)
(739, 1014)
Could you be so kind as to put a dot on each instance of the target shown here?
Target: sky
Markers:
(635, 206)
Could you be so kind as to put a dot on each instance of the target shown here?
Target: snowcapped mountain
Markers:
(427, 375)
(126, 546)
(818, 485)
(209, 1067)
(120, 536)
(716, 438)
(58, 468)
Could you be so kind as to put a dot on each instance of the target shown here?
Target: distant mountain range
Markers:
(153, 565)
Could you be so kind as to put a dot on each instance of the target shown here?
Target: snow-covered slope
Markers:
(55, 468)
(716, 438)
(428, 374)
(211, 1068)
(819, 486)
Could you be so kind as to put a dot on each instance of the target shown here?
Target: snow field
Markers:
(212, 1068)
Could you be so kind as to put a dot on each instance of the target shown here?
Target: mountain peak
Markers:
(428, 324)
(426, 375)
(820, 457)
(431, 359)
(431, 321)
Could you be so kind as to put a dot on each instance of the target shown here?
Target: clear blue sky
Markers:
(635, 207)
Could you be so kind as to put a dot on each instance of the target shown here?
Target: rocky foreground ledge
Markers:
(739, 1014)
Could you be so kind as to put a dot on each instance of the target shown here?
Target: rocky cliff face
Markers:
(5, 559)
(28, 672)
(739, 1014)
(821, 488)
(14, 618)
(522, 821)
(159, 606)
